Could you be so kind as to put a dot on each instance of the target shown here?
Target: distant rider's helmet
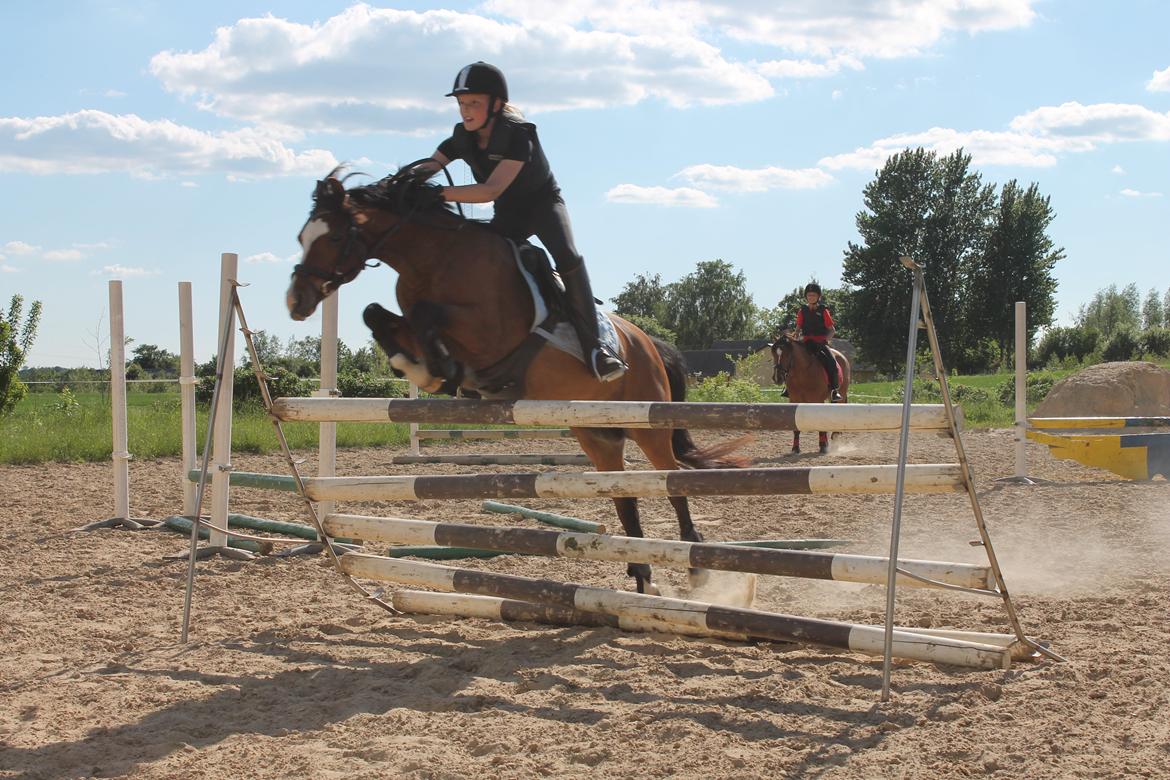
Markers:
(812, 287)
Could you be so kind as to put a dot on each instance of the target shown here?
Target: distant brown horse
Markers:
(795, 366)
(467, 311)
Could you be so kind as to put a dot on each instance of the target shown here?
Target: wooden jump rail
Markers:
(625, 549)
(495, 433)
(925, 478)
(681, 616)
(425, 602)
(615, 414)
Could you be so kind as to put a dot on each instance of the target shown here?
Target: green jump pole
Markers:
(183, 525)
(254, 480)
(548, 518)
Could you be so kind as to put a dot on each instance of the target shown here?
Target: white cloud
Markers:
(661, 196)
(94, 246)
(114, 93)
(807, 27)
(1095, 123)
(7, 269)
(729, 177)
(121, 271)
(1138, 194)
(1035, 139)
(1160, 81)
(96, 142)
(20, 248)
(188, 184)
(268, 257)
(1118, 170)
(809, 69)
(375, 69)
(56, 255)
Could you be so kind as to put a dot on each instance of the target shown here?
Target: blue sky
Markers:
(140, 140)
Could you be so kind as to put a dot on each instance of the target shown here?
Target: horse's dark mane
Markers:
(407, 192)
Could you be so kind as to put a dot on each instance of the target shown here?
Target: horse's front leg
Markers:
(796, 441)
(606, 448)
(395, 337)
(427, 319)
(823, 441)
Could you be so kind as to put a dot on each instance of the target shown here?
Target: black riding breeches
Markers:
(548, 220)
(821, 352)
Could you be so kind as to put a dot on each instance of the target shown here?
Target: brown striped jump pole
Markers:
(928, 478)
(615, 414)
(660, 552)
(678, 612)
(425, 602)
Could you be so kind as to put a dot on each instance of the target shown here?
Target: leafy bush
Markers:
(1036, 383)
(281, 383)
(1156, 341)
(1060, 344)
(1124, 344)
(726, 389)
(354, 385)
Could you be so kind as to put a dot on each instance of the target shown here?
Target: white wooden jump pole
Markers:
(487, 458)
(121, 447)
(687, 616)
(617, 414)
(187, 395)
(843, 567)
(221, 443)
(1021, 423)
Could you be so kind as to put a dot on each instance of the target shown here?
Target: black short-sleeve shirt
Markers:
(510, 140)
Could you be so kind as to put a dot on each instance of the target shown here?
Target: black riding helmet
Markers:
(481, 78)
(812, 287)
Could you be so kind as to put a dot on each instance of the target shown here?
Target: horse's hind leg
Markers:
(606, 447)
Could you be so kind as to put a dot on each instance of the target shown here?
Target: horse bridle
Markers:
(781, 369)
(336, 278)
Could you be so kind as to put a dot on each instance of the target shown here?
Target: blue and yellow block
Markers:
(1130, 455)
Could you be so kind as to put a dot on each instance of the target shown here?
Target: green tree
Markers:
(1112, 310)
(709, 304)
(643, 297)
(156, 361)
(1017, 265)
(652, 327)
(936, 211)
(16, 336)
(1153, 313)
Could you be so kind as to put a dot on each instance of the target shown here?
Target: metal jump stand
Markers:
(920, 317)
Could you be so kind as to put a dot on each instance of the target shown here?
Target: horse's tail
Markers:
(686, 452)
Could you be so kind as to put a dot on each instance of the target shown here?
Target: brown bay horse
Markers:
(794, 365)
(467, 309)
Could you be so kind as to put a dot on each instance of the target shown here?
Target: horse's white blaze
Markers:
(312, 231)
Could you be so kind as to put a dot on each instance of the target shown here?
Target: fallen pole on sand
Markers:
(183, 525)
(423, 602)
(625, 549)
(678, 613)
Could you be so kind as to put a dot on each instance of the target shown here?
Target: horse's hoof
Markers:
(650, 589)
(824, 449)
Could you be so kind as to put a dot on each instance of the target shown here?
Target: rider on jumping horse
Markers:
(815, 324)
(510, 168)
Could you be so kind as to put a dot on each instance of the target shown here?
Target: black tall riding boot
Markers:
(583, 316)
